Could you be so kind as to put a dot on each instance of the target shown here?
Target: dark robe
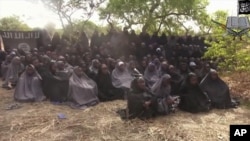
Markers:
(176, 81)
(54, 87)
(106, 90)
(193, 99)
(136, 100)
(218, 92)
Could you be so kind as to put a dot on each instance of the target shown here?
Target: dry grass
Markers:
(39, 122)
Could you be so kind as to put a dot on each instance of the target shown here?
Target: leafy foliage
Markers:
(67, 9)
(233, 54)
(157, 15)
(13, 23)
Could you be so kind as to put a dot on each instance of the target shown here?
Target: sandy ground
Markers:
(39, 122)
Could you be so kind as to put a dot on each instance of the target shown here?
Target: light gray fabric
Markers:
(4, 68)
(151, 77)
(82, 91)
(92, 68)
(29, 88)
(162, 94)
(158, 90)
(121, 79)
(13, 71)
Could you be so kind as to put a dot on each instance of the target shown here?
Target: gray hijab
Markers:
(159, 90)
(29, 87)
(121, 78)
(151, 77)
(13, 71)
(92, 68)
(82, 91)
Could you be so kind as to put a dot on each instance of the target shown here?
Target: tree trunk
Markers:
(61, 20)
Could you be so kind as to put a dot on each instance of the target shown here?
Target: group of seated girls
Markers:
(157, 92)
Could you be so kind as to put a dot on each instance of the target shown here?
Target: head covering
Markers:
(82, 91)
(217, 90)
(92, 68)
(192, 64)
(120, 63)
(134, 85)
(151, 77)
(121, 78)
(160, 91)
(13, 71)
(29, 87)
(213, 71)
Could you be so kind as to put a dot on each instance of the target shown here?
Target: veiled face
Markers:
(36, 62)
(214, 75)
(141, 83)
(30, 70)
(157, 61)
(121, 67)
(193, 80)
(132, 65)
(144, 64)
(165, 82)
(207, 67)
(60, 65)
(17, 61)
(151, 68)
(104, 69)
(96, 64)
(79, 72)
(53, 67)
(171, 69)
(164, 66)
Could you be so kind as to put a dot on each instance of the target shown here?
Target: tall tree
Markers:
(155, 15)
(13, 23)
(67, 10)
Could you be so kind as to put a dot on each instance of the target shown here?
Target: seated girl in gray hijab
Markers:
(151, 75)
(13, 72)
(93, 69)
(29, 86)
(83, 91)
(162, 89)
(121, 78)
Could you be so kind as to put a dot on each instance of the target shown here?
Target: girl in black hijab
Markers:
(193, 99)
(141, 103)
(106, 90)
(217, 90)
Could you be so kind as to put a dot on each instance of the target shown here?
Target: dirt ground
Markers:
(39, 121)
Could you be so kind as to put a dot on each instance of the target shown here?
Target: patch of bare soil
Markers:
(39, 122)
(239, 84)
